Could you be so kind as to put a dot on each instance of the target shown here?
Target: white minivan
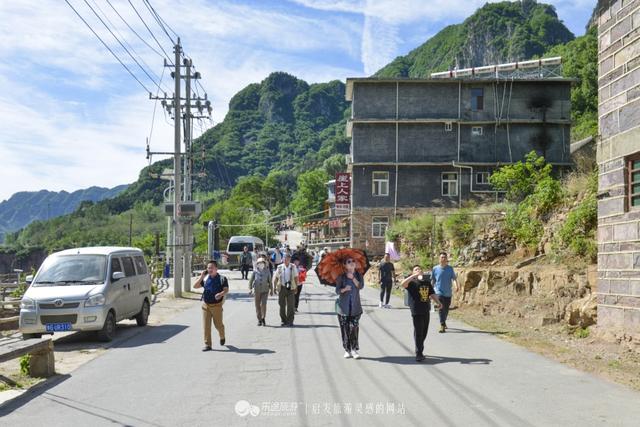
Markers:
(87, 289)
(236, 246)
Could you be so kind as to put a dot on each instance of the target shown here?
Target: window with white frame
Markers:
(448, 126)
(379, 225)
(476, 131)
(482, 178)
(380, 183)
(450, 184)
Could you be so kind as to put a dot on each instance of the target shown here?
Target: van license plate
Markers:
(58, 327)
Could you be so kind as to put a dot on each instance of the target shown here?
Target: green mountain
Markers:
(283, 136)
(496, 33)
(25, 207)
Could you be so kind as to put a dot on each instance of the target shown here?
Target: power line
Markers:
(124, 40)
(161, 22)
(150, 32)
(155, 104)
(133, 30)
(108, 48)
(121, 44)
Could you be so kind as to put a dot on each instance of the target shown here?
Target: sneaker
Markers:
(283, 324)
(445, 325)
(387, 306)
(355, 354)
(419, 357)
(380, 304)
(347, 355)
(442, 329)
(222, 341)
(207, 348)
(259, 322)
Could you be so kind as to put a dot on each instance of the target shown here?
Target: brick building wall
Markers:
(619, 123)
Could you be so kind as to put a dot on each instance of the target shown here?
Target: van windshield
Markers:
(239, 246)
(72, 270)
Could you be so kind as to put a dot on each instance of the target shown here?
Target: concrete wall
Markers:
(417, 187)
(619, 122)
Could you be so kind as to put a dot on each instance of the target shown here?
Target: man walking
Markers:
(285, 282)
(260, 283)
(246, 262)
(420, 291)
(441, 279)
(386, 277)
(215, 288)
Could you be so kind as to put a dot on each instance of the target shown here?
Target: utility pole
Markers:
(188, 248)
(184, 209)
(177, 193)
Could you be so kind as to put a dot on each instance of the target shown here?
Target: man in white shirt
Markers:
(285, 282)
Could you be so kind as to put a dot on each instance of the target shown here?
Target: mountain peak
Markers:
(495, 33)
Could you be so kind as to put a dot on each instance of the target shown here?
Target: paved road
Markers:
(297, 376)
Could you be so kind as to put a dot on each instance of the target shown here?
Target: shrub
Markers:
(520, 180)
(459, 228)
(577, 234)
(24, 364)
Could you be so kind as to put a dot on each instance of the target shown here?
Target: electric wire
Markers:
(107, 46)
(161, 22)
(133, 30)
(121, 44)
(150, 32)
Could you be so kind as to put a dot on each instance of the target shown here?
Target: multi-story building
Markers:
(419, 144)
(618, 154)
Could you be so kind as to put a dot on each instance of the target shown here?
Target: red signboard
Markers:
(343, 193)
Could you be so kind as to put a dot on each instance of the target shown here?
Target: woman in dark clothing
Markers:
(348, 307)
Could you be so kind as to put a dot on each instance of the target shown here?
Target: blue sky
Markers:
(72, 117)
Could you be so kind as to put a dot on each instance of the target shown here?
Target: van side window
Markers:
(127, 263)
(141, 266)
(115, 265)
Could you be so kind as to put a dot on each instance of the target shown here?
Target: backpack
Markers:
(208, 296)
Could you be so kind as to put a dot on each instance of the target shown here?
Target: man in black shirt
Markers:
(387, 276)
(420, 290)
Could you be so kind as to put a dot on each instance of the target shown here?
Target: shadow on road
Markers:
(234, 349)
(31, 394)
(430, 360)
(126, 336)
(469, 331)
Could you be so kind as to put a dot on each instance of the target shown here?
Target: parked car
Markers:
(87, 289)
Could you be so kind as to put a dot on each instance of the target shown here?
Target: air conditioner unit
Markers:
(190, 209)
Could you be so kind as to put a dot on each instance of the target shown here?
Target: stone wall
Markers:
(619, 124)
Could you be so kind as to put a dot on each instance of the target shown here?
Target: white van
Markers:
(87, 289)
(236, 245)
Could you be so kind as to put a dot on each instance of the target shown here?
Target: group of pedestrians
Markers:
(286, 278)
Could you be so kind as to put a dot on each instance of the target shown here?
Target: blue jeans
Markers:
(444, 310)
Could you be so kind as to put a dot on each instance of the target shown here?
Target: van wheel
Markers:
(29, 336)
(143, 316)
(108, 329)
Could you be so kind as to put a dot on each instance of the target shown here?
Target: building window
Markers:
(379, 226)
(450, 184)
(448, 126)
(477, 99)
(477, 131)
(633, 181)
(482, 178)
(380, 184)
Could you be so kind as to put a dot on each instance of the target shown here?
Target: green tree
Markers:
(311, 194)
(520, 179)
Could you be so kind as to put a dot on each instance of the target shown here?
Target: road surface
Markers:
(297, 376)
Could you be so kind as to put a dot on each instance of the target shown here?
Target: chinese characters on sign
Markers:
(343, 193)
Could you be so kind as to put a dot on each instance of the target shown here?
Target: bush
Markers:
(578, 233)
(521, 179)
(459, 228)
(24, 364)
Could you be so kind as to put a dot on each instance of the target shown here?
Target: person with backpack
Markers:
(285, 282)
(420, 292)
(260, 285)
(246, 262)
(302, 276)
(215, 287)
